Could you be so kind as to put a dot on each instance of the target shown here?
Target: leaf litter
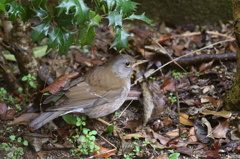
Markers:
(197, 65)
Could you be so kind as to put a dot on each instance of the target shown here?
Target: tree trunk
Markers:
(232, 100)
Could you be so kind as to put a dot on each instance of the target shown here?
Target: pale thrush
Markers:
(100, 92)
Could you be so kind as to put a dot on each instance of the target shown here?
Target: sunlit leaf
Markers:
(121, 39)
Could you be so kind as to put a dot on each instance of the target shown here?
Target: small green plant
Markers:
(177, 75)
(137, 148)
(172, 98)
(85, 143)
(129, 156)
(14, 148)
(116, 114)
(173, 155)
(136, 151)
(146, 142)
(4, 96)
(84, 140)
(30, 80)
(152, 78)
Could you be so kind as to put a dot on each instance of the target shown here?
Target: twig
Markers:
(124, 110)
(219, 42)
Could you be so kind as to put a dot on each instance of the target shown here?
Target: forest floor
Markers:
(175, 108)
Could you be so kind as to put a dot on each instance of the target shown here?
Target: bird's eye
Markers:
(128, 64)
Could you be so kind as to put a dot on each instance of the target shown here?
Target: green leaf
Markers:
(126, 6)
(93, 132)
(80, 9)
(19, 139)
(39, 3)
(174, 156)
(92, 138)
(12, 137)
(60, 39)
(83, 138)
(115, 19)
(140, 17)
(16, 10)
(110, 4)
(40, 51)
(109, 130)
(25, 143)
(85, 131)
(32, 84)
(40, 32)
(70, 119)
(65, 20)
(87, 32)
(3, 6)
(42, 14)
(24, 78)
(121, 39)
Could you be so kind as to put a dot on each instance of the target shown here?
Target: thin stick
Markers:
(124, 110)
(107, 141)
(219, 42)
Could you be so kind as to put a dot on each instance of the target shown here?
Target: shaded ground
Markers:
(184, 96)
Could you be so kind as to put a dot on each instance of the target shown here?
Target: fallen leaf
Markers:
(24, 118)
(184, 150)
(3, 109)
(104, 152)
(147, 102)
(36, 140)
(10, 114)
(214, 152)
(184, 119)
(220, 131)
(168, 85)
(61, 82)
(163, 140)
(203, 131)
(205, 66)
(133, 124)
(224, 113)
(130, 136)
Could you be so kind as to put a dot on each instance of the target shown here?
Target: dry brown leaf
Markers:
(130, 136)
(147, 102)
(184, 120)
(220, 131)
(104, 152)
(24, 118)
(10, 114)
(168, 85)
(36, 140)
(192, 136)
(164, 156)
(61, 82)
(3, 109)
(133, 124)
(205, 66)
(178, 50)
(175, 132)
(163, 140)
(224, 113)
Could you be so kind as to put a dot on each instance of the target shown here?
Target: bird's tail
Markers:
(44, 118)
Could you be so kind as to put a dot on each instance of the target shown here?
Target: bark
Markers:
(9, 78)
(16, 41)
(232, 100)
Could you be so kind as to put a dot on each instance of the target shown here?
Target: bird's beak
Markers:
(139, 62)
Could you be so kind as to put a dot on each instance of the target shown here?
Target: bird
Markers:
(100, 92)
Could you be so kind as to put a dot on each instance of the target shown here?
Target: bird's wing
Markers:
(84, 96)
(61, 92)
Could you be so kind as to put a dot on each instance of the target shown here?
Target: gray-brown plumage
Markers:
(99, 93)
